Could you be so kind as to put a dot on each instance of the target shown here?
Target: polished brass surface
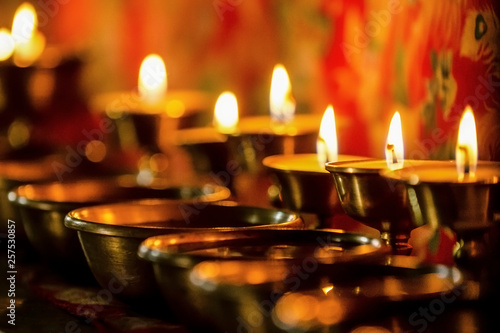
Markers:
(326, 246)
(209, 153)
(43, 207)
(372, 199)
(224, 280)
(275, 253)
(304, 190)
(250, 149)
(323, 308)
(462, 205)
(440, 199)
(149, 126)
(280, 301)
(208, 157)
(16, 172)
(110, 234)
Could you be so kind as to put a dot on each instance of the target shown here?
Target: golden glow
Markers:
(333, 311)
(18, 134)
(297, 310)
(108, 217)
(326, 145)
(95, 151)
(466, 149)
(41, 85)
(281, 101)
(394, 147)
(207, 270)
(152, 79)
(6, 44)
(158, 162)
(226, 113)
(175, 108)
(256, 276)
(29, 42)
(307, 307)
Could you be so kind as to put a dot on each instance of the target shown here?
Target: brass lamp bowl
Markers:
(111, 234)
(290, 257)
(463, 206)
(251, 149)
(149, 125)
(43, 208)
(376, 293)
(209, 154)
(438, 198)
(373, 200)
(16, 172)
(206, 146)
(303, 185)
(270, 296)
(257, 137)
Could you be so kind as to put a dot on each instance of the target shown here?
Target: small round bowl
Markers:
(373, 200)
(111, 234)
(258, 137)
(244, 281)
(376, 292)
(438, 198)
(294, 256)
(16, 172)
(303, 185)
(43, 207)
(208, 152)
(151, 124)
(365, 195)
(246, 296)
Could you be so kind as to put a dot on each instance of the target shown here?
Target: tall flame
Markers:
(25, 23)
(326, 145)
(281, 101)
(152, 79)
(394, 147)
(466, 149)
(6, 44)
(327, 289)
(29, 42)
(226, 113)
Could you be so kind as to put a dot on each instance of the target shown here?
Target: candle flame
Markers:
(326, 145)
(6, 44)
(466, 149)
(394, 147)
(25, 23)
(152, 79)
(281, 101)
(226, 113)
(327, 289)
(29, 42)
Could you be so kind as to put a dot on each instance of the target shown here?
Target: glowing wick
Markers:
(391, 149)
